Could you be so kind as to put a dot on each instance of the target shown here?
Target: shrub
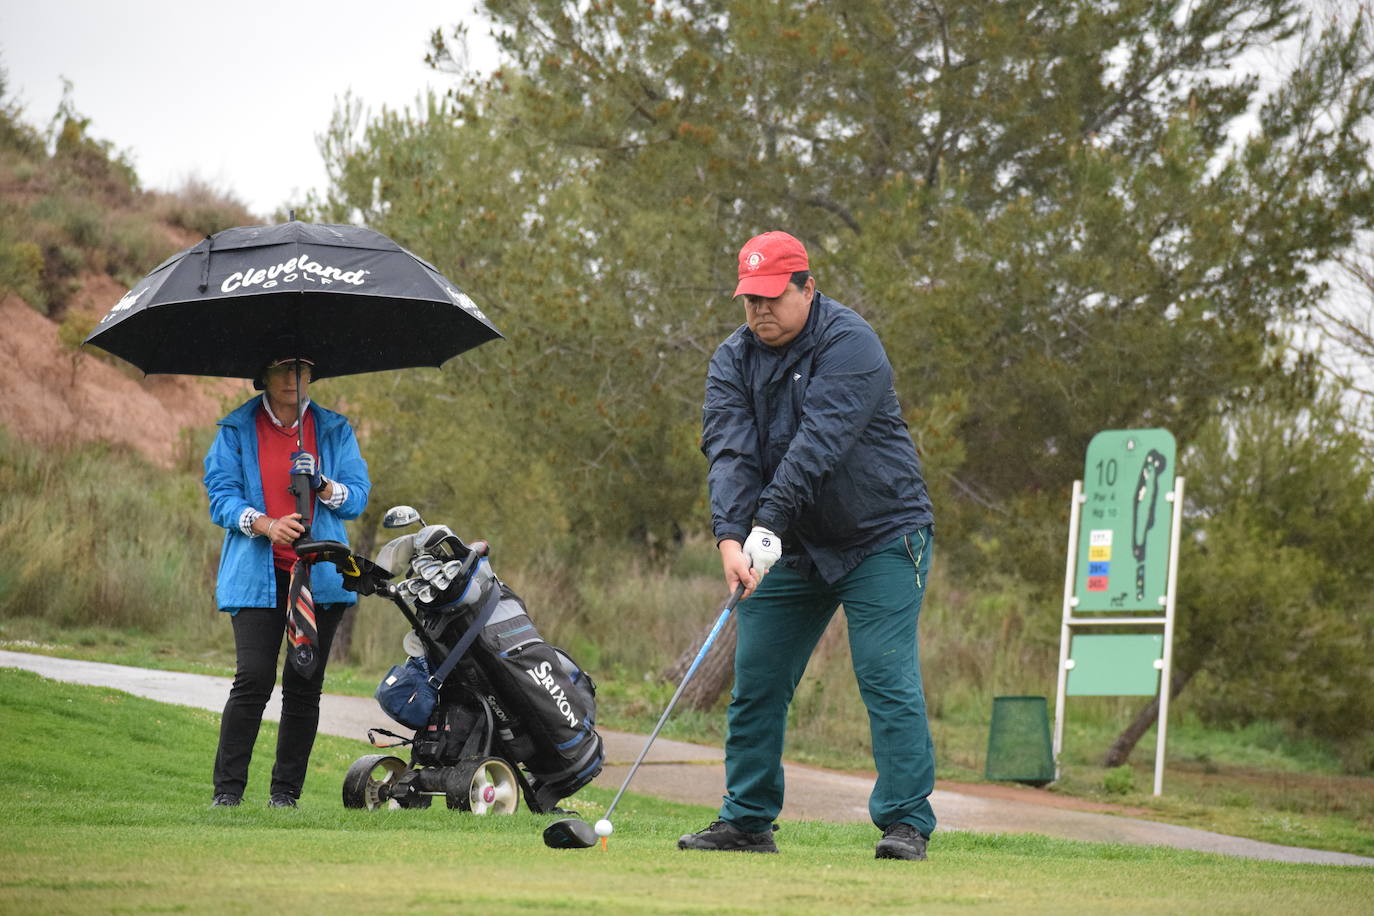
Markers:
(14, 133)
(92, 162)
(202, 208)
(1119, 780)
(21, 271)
(135, 244)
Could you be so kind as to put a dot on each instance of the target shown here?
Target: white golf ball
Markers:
(603, 827)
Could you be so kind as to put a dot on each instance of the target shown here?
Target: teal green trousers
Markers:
(779, 626)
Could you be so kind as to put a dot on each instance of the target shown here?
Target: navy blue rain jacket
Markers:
(808, 441)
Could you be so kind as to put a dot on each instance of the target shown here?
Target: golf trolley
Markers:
(497, 713)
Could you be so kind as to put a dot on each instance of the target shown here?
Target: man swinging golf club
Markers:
(814, 475)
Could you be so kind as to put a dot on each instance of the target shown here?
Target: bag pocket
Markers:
(406, 695)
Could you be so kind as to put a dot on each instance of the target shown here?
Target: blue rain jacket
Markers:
(233, 481)
(808, 441)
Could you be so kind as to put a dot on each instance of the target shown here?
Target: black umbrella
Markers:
(352, 298)
(349, 299)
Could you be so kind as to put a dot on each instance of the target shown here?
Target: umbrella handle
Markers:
(305, 501)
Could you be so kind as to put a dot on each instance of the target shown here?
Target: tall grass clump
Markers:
(201, 208)
(95, 537)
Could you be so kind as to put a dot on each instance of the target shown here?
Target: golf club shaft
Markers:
(705, 647)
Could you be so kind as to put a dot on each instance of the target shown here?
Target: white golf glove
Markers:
(763, 548)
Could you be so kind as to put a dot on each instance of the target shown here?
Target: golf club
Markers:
(575, 833)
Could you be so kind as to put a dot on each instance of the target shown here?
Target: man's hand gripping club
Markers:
(749, 563)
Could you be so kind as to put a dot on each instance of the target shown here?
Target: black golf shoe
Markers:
(226, 800)
(901, 841)
(281, 800)
(722, 836)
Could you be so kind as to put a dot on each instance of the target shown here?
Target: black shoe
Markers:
(225, 800)
(722, 836)
(901, 841)
(281, 800)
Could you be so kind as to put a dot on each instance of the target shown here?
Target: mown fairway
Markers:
(104, 796)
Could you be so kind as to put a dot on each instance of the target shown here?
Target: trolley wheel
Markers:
(368, 777)
(483, 785)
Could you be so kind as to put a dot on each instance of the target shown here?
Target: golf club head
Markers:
(427, 568)
(569, 833)
(440, 543)
(401, 516)
(395, 557)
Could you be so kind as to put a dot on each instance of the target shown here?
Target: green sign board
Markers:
(1126, 520)
(1115, 665)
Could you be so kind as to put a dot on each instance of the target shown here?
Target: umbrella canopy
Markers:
(351, 299)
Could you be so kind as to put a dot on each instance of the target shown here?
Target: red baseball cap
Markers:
(767, 262)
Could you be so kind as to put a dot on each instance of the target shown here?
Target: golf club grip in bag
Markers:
(550, 700)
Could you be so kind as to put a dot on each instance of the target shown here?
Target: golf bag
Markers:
(481, 680)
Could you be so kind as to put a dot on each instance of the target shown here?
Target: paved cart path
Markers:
(695, 773)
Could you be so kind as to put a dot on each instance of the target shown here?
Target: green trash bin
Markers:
(1019, 748)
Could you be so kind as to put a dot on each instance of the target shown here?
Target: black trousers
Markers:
(257, 641)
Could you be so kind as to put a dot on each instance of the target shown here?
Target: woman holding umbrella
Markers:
(208, 310)
(248, 471)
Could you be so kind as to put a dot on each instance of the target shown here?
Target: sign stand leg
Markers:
(1166, 671)
(1074, 511)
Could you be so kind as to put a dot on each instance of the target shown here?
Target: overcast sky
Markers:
(233, 94)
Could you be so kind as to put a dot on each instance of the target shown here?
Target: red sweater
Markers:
(275, 448)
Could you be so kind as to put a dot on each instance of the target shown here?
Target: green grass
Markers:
(104, 797)
(1255, 782)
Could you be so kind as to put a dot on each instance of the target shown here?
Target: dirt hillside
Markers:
(54, 394)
